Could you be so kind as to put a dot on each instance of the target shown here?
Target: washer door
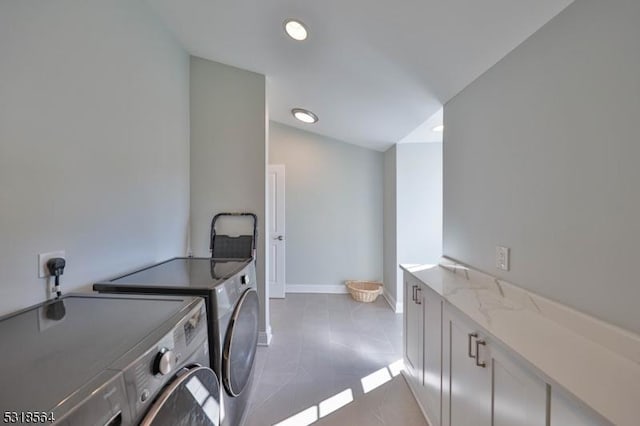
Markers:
(240, 343)
(191, 399)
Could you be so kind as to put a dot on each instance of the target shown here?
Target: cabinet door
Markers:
(432, 371)
(413, 328)
(500, 392)
(565, 411)
(466, 386)
(519, 396)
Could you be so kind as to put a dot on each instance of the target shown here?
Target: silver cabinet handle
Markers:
(472, 336)
(478, 363)
(413, 297)
(418, 301)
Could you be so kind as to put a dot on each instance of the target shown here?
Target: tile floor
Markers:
(323, 346)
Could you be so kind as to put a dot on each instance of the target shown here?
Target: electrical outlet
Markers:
(43, 272)
(502, 258)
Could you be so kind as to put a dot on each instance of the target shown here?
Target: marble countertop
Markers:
(596, 362)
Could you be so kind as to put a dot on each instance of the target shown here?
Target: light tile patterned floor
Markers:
(324, 345)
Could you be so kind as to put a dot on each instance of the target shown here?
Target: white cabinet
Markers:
(466, 383)
(413, 326)
(485, 385)
(519, 396)
(463, 376)
(432, 342)
(567, 412)
(423, 345)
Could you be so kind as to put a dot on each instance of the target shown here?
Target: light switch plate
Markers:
(43, 272)
(502, 258)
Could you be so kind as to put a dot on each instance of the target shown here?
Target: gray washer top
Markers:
(44, 361)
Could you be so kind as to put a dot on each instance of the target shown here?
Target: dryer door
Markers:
(191, 399)
(240, 343)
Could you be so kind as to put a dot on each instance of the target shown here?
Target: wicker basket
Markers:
(364, 291)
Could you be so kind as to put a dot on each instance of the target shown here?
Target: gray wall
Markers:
(228, 153)
(541, 155)
(391, 270)
(94, 142)
(333, 207)
(419, 202)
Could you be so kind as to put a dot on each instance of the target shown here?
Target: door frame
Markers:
(279, 171)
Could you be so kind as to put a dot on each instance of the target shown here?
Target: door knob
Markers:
(279, 238)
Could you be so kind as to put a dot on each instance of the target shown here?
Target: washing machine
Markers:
(84, 360)
(231, 299)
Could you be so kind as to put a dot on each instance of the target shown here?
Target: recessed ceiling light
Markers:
(438, 129)
(304, 115)
(295, 29)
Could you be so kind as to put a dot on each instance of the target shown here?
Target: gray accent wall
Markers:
(228, 156)
(333, 209)
(541, 155)
(94, 143)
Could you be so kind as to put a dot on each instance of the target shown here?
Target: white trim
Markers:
(277, 229)
(264, 337)
(396, 306)
(316, 288)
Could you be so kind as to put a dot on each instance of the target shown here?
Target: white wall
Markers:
(228, 154)
(419, 202)
(412, 211)
(541, 155)
(391, 269)
(333, 209)
(94, 142)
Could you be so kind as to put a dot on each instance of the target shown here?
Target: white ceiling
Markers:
(372, 71)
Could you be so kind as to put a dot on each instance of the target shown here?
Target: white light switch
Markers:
(502, 258)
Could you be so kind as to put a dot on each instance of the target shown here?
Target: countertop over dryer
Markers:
(184, 273)
(596, 362)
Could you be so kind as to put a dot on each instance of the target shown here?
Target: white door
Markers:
(276, 232)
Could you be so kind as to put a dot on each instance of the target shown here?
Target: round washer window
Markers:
(240, 343)
(191, 399)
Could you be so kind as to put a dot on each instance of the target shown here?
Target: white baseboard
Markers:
(264, 337)
(395, 305)
(316, 288)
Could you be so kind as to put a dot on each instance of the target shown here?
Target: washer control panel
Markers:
(151, 372)
(164, 362)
